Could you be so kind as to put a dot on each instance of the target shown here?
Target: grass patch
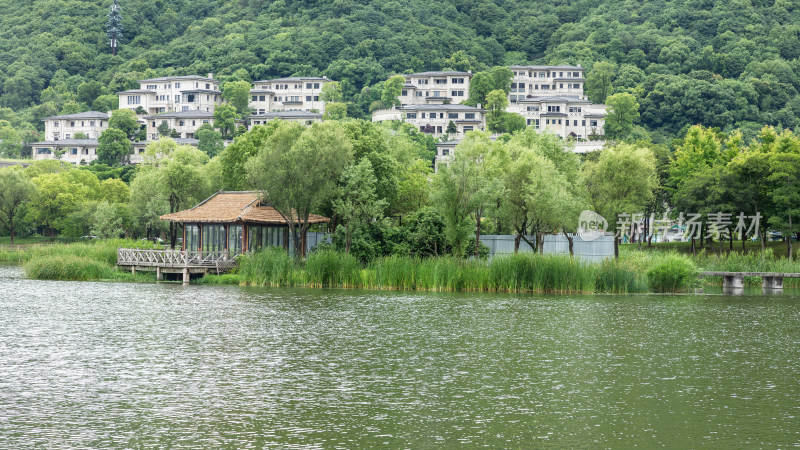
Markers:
(224, 279)
(673, 273)
(72, 268)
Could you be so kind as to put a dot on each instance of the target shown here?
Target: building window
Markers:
(73, 151)
(422, 81)
(458, 81)
(134, 99)
(452, 115)
(181, 123)
(72, 124)
(42, 151)
(404, 93)
(583, 123)
(262, 98)
(177, 85)
(468, 128)
(469, 115)
(445, 152)
(255, 98)
(411, 115)
(576, 86)
(533, 108)
(308, 98)
(316, 85)
(67, 136)
(592, 123)
(91, 123)
(316, 98)
(457, 93)
(55, 136)
(440, 81)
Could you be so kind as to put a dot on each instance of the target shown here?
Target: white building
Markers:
(288, 94)
(560, 81)
(564, 116)
(301, 117)
(435, 87)
(90, 123)
(168, 94)
(434, 119)
(84, 151)
(185, 123)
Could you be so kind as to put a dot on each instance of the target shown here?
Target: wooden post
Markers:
(159, 274)
(186, 276)
(133, 270)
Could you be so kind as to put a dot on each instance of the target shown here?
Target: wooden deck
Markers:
(735, 280)
(176, 261)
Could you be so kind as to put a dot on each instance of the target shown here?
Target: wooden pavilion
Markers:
(235, 222)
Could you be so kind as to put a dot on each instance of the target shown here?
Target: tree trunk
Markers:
(478, 235)
(517, 238)
(702, 238)
(763, 245)
(540, 241)
(173, 234)
(570, 240)
(694, 248)
(616, 247)
(789, 238)
(348, 241)
(11, 229)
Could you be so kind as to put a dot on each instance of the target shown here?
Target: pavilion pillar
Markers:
(186, 276)
(159, 274)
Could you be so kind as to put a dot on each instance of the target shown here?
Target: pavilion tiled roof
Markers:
(234, 206)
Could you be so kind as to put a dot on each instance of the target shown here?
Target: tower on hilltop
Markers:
(114, 26)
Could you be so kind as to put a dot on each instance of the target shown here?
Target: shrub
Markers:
(673, 273)
(76, 268)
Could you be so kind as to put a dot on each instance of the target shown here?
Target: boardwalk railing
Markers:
(221, 261)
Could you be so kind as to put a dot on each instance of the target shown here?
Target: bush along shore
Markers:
(82, 261)
(634, 272)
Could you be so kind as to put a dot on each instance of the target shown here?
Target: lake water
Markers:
(132, 365)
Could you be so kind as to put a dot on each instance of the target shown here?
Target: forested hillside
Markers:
(723, 63)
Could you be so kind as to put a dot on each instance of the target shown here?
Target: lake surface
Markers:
(131, 365)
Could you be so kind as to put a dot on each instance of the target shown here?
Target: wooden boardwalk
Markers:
(176, 261)
(735, 280)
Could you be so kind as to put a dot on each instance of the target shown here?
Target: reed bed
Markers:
(511, 273)
(74, 268)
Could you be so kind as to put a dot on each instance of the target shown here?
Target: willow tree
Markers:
(297, 168)
(15, 189)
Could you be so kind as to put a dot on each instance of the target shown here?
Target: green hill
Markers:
(727, 64)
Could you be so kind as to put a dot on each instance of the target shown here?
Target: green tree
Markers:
(113, 147)
(331, 92)
(163, 128)
(89, 91)
(125, 120)
(15, 190)
(335, 111)
(496, 103)
(210, 140)
(599, 80)
(621, 181)
(296, 168)
(107, 221)
(237, 93)
(392, 89)
(234, 157)
(623, 112)
(466, 189)
(225, 119)
(357, 203)
(785, 176)
(10, 141)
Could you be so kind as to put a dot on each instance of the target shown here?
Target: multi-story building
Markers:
(564, 116)
(75, 151)
(560, 81)
(435, 119)
(288, 94)
(168, 94)
(435, 87)
(302, 117)
(84, 151)
(90, 123)
(185, 123)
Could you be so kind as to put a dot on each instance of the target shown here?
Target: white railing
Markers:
(221, 261)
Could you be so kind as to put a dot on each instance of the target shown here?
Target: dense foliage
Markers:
(726, 64)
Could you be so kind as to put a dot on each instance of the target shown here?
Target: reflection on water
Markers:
(104, 364)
